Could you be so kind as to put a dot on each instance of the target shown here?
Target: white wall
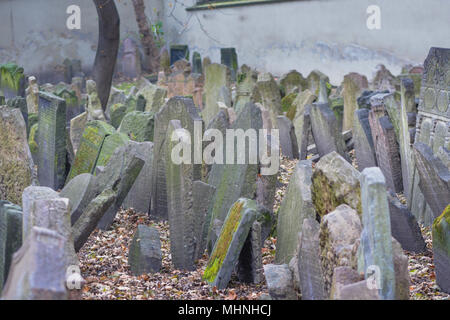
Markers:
(330, 35)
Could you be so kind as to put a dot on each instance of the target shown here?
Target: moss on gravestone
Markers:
(138, 125)
(10, 76)
(288, 106)
(117, 112)
(441, 228)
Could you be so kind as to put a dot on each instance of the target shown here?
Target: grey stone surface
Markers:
(216, 77)
(78, 192)
(302, 121)
(376, 243)
(249, 267)
(343, 276)
(279, 282)
(362, 137)
(358, 291)
(441, 249)
(203, 194)
(144, 254)
(37, 269)
(288, 140)
(296, 206)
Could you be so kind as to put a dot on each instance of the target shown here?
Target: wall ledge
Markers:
(236, 3)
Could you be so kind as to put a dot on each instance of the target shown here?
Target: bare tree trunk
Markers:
(108, 47)
(151, 52)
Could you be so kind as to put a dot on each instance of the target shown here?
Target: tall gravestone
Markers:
(245, 83)
(52, 141)
(268, 94)
(302, 121)
(362, 137)
(177, 108)
(228, 57)
(217, 77)
(352, 87)
(433, 121)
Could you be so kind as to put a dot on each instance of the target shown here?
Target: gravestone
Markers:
(144, 254)
(386, 146)
(29, 196)
(110, 144)
(279, 282)
(178, 52)
(197, 63)
(119, 174)
(51, 141)
(313, 81)
(12, 81)
(138, 125)
(16, 163)
(76, 130)
(32, 142)
(245, 84)
(325, 131)
(180, 178)
(376, 243)
(288, 140)
(131, 59)
(203, 194)
(296, 206)
(54, 214)
(343, 276)
(352, 86)
(32, 93)
(94, 106)
(334, 182)
(73, 107)
(302, 121)
(116, 114)
(362, 137)
(287, 105)
(232, 180)
(268, 94)
(249, 267)
(10, 236)
(91, 143)
(78, 192)
(154, 96)
(404, 226)
(139, 196)
(292, 81)
(384, 80)
(441, 249)
(177, 108)
(228, 57)
(228, 247)
(312, 284)
(216, 77)
(37, 270)
(21, 104)
(339, 230)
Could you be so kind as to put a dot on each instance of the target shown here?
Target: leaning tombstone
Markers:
(78, 192)
(52, 141)
(288, 140)
(37, 270)
(77, 125)
(16, 163)
(138, 125)
(110, 144)
(302, 121)
(362, 137)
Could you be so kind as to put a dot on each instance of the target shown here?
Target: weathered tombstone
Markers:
(144, 254)
(383, 80)
(32, 93)
(203, 194)
(73, 107)
(386, 146)
(296, 206)
(358, 291)
(441, 249)
(313, 81)
(54, 214)
(77, 125)
(116, 114)
(312, 284)
(94, 106)
(434, 177)
(362, 137)
(91, 143)
(246, 81)
(110, 144)
(287, 105)
(228, 247)
(154, 96)
(288, 140)
(16, 163)
(10, 236)
(228, 57)
(29, 196)
(119, 174)
(279, 282)
(177, 108)
(139, 126)
(376, 243)
(334, 182)
(216, 77)
(139, 196)
(21, 104)
(179, 183)
(292, 81)
(302, 121)
(51, 141)
(131, 59)
(234, 180)
(37, 270)
(78, 191)
(249, 267)
(343, 276)
(268, 94)
(32, 142)
(197, 63)
(404, 226)
(339, 230)
(353, 85)
(178, 52)
(326, 131)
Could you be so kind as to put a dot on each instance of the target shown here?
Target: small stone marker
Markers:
(279, 282)
(230, 242)
(144, 254)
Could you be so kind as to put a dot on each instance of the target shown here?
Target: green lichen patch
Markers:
(441, 231)
(10, 76)
(288, 106)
